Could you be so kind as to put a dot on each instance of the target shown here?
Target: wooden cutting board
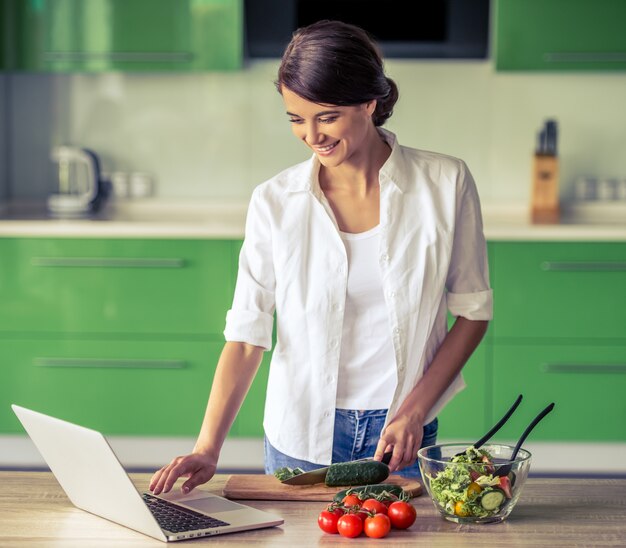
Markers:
(267, 487)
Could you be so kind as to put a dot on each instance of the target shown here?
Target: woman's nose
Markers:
(311, 134)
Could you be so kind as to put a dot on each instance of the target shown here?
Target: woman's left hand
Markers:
(403, 435)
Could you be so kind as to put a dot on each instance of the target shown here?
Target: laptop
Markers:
(94, 480)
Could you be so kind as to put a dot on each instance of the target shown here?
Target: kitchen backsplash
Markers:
(217, 135)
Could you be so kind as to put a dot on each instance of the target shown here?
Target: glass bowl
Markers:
(471, 491)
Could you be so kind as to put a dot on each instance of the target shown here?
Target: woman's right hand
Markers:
(198, 467)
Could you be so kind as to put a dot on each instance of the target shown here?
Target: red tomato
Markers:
(505, 485)
(350, 525)
(328, 522)
(352, 500)
(377, 526)
(375, 506)
(402, 514)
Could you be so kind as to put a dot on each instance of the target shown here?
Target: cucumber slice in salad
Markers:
(492, 500)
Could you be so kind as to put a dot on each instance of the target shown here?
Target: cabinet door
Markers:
(466, 417)
(115, 286)
(587, 384)
(151, 387)
(560, 35)
(129, 35)
(559, 290)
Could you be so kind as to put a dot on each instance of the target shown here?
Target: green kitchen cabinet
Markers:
(120, 334)
(587, 382)
(115, 286)
(560, 35)
(466, 417)
(119, 386)
(127, 35)
(567, 290)
(559, 336)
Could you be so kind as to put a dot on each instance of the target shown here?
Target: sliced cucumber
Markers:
(492, 500)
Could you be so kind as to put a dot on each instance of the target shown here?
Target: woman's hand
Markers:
(403, 435)
(198, 467)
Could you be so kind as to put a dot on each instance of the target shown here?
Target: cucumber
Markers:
(370, 491)
(356, 473)
(492, 500)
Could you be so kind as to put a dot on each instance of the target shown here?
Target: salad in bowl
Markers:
(469, 485)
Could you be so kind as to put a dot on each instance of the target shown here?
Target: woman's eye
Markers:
(329, 120)
(295, 120)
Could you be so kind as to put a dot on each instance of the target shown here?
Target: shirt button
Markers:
(392, 294)
(384, 258)
(327, 413)
(333, 344)
(397, 331)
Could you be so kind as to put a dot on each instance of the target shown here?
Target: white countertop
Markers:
(226, 220)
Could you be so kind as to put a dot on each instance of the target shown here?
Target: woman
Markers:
(360, 252)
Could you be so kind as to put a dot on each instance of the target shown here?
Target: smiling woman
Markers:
(358, 254)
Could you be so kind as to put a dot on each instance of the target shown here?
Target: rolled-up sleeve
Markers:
(251, 317)
(469, 292)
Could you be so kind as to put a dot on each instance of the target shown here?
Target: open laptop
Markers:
(94, 480)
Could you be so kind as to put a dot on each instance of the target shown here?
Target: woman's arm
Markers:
(235, 372)
(403, 433)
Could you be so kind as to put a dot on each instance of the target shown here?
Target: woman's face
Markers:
(335, 133)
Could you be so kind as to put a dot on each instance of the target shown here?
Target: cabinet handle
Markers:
(584, 57)
(107, 262)
(584, 367)
(107, 363)
(122, 56)
(583, 266)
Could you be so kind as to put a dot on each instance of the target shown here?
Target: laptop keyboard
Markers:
(177, 519)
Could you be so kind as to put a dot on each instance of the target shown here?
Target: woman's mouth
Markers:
(325, 150)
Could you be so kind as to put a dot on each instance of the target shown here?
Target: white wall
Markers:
(220, 134)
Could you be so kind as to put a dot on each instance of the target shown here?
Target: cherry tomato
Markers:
(377, 526)
(352, 500)
(402, 514)
(459, 510)
(328, 521)
(473, 489)
(375, 506)
(350, 525)
(505, 485)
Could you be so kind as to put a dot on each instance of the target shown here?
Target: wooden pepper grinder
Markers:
(545, 177)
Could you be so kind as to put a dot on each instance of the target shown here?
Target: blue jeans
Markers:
(356, 436)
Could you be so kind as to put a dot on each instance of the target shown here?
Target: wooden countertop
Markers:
(34, 511)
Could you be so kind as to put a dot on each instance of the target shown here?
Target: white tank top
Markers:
(367, 365)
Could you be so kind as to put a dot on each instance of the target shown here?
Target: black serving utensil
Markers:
(497, 426)
(506, 468)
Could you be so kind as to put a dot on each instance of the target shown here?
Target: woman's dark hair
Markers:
(336, 63)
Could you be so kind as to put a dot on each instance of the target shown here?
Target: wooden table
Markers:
(34, 511)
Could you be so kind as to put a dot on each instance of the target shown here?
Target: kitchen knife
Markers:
(319, 474)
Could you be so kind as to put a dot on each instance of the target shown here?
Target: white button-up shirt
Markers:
(293, 263)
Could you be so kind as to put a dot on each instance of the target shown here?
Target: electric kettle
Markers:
(81, 188)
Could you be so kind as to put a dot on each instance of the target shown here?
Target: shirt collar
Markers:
(304, 178)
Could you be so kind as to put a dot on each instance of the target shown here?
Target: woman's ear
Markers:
(371, 106)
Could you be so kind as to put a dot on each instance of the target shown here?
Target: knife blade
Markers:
(319, 474)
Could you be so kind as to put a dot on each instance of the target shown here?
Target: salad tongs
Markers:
(496, 427)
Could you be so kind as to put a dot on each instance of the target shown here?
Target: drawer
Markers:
(569, 290)
(117, 386)
(465, 418)
(587, 384)
(115, 286)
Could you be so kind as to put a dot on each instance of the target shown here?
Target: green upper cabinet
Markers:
(560, 35)
(127, 35)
